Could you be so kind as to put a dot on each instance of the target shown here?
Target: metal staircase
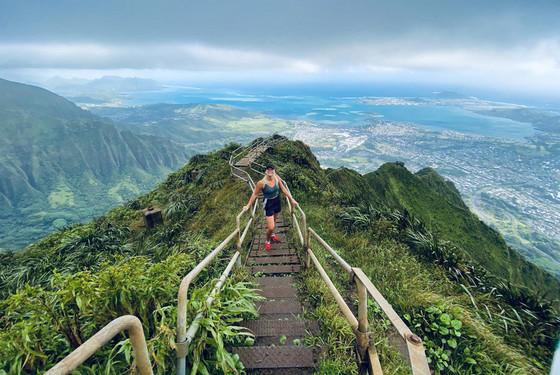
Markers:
(280, 332)
(411, 346)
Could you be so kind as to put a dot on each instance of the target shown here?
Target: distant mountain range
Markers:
(60, 164)
(106, 83)
(107, 89)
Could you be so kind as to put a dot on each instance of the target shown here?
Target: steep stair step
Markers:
(271, 253)
(273, 357)
(274, 260)
(286, 340)
(285, 307)
(275, 328)
(280, 291)
(259, 246)
(280, 330)
(275, 280)
(294, 268)
(261, 239)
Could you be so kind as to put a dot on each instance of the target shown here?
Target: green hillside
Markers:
(60, 164)
(200, 126)
(397, 187)
(395, 225)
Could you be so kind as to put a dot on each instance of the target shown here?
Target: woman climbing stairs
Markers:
(280, 332)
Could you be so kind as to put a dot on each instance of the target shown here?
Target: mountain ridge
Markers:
(53, 150)
(429, 284)
(455, 222)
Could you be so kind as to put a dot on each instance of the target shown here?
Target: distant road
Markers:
(475, 200)
(514, 222)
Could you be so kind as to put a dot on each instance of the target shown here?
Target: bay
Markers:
(339, 110)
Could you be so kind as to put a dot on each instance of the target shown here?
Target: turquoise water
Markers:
(338, 109)
(458, 119)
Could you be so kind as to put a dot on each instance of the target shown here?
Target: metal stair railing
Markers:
(237, 171)
(184, 336)
(252, 154)
(368, 360)
(128, 323)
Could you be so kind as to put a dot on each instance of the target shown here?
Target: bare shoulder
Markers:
(280, 181)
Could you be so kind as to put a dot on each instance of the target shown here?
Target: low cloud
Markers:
(150, 56)
(534, 65)
(498, 41)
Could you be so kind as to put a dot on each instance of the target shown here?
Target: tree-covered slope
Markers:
(428, 198)
(471, 320)
(60, 164)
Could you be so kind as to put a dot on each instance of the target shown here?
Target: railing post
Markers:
(181, 343)
(363, 324)
(306, 238)
(292, 209)
(362, 340)
(306, 246)
(237, 221)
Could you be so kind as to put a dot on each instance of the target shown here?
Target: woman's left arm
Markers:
(285, 191)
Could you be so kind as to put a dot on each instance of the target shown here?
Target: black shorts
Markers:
(272, 206)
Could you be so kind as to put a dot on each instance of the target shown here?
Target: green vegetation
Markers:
(395, 187)
(61, 290)
(60, 164)
(472, 320)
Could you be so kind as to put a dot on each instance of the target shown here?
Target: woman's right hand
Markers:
(246, 208)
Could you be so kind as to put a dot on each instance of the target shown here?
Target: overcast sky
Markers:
(513, 44)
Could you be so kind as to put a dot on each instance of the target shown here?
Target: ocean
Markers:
(339, 107)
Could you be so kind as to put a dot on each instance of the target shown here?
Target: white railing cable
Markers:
(365, 347)
(333, 253)
(193, 329)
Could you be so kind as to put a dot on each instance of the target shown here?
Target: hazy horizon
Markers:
(502, 46)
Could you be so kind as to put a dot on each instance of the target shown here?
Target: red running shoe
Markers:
(274, 238)
(267, 246)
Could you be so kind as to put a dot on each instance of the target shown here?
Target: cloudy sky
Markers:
(507, 43)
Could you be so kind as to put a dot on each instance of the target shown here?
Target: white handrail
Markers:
(415, 352)
(128, 323)
(182, 297)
